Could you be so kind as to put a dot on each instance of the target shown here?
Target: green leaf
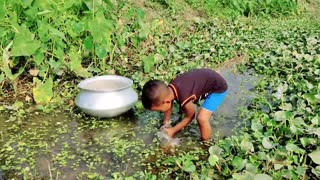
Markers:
(56, 32)
(76, 66)
(300, 170)
(55, 64)
(188, 166)
(251, 168)
(215, 150)
(101, 29)
(243, 175)
(262, 177)
(38, 57)
(101, 51)
(238, 163)
(304, 141)
(316, 171)
(266, 143)
(88, 43)
(291, 147)
(256, 126)
(24, 43)
(213, 159)
(283, 115)
(246, 146)
(148, 63)
(78, 27)
(42, 92)
(144, 31)
(278, 166)
(315, 156)
(316, 120)
(311, 98)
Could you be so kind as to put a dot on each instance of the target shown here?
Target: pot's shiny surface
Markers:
(106, 96)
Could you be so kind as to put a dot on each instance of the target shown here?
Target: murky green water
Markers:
(68, 146)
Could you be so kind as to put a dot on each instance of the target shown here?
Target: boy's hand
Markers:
(166, 124)
(170, 131)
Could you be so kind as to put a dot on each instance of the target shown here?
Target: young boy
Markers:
(186, 89)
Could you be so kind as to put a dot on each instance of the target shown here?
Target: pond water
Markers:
(67, 145)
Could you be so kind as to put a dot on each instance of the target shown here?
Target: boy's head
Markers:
(155, 95)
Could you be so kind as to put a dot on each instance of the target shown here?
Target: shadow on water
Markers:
(69, 146)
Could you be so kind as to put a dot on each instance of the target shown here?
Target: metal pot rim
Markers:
(83, 83)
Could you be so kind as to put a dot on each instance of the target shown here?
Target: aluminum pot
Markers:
(106, 96)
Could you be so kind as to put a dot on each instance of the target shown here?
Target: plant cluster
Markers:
(47, 42)
(234, 8)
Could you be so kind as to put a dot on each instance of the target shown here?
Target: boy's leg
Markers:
(209, 106)
(204, 124)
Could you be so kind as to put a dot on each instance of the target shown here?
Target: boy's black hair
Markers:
(152, 93)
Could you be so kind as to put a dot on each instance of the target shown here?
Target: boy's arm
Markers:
(189, 112)
(166, 116)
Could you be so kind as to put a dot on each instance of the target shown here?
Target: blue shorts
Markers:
(213, 101)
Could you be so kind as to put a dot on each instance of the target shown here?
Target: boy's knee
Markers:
(202, 119)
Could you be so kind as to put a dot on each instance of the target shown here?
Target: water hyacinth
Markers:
(280, 90)
(279, 93)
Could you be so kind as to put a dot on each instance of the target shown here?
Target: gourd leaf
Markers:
(24, 43)
(148, 63)
(42, 92)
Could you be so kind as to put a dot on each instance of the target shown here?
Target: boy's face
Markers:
(163, 107)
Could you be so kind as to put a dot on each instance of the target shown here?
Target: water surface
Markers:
(69, 146)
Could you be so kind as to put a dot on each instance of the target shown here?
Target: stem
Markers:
(50, 173)
(112, 52)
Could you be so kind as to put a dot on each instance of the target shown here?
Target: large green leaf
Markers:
(283, 115)
(262, 177)
(213, 159)
(238, 163)
(75, 65)
(256, 126)
(315, 156)
(101, 29)
(148, 63)
(316, 120)
(188, 166)
(101, 51)
(266, 143)
(292, 147)
(24, 43)
(42, 92)
(215, 150)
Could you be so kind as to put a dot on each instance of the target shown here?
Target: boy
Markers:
(186, 89)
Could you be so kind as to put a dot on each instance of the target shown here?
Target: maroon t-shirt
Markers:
(196, 84)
